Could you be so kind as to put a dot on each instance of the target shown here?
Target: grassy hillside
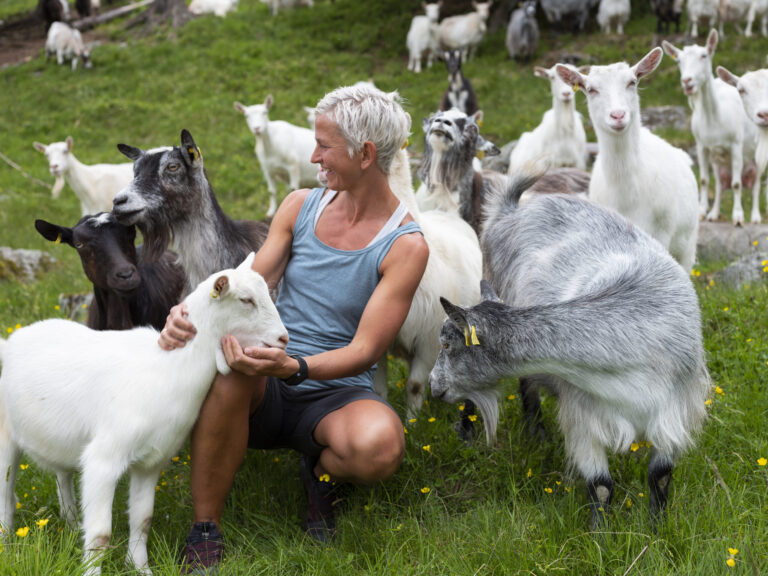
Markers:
(450, 509)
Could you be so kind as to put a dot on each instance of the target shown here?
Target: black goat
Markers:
(667, 11)
(127, 291)
(53, 11)
(170, 198)
(459, 93)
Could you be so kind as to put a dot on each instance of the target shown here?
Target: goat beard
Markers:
(487, 401)
(58, 185)
(156, 242)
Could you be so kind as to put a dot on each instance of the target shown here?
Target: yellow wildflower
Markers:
(426, 490)
(762, 461)
(472, 417)
(726, 309)
(42, 523)
(405, 430)
(548, 490)
(57, 307)
(719, 390)
(733, 551)
(157, 488)
(731, 562)
(634, 447)
(708, 402)
(698, 273)
(641, 495)
(567, 489)
(412, 421)
(427, 448)
(711, 282)
(23, 466)
(629, 503)
(558, 482)
(17, 326)
(511, 397)
(325, 478)
(389, 357)
(175, 459)
(400, 383)
(461, 407)
(275, 459)
(432, 419)
(756, 242)
(749, 340)
(9, 329)
(22, 532)
(529, 473)
(18, 505)
(764, 263)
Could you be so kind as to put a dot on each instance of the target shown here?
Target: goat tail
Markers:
(503, 195)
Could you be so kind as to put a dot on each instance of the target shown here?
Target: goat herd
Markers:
(594, 304)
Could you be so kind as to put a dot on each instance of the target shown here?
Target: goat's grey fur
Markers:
(170, 198)
(523, 32)
(599, 312)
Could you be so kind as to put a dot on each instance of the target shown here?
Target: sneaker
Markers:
(320, 523)
(202, 551)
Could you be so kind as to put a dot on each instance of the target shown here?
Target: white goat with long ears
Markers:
(757, 8)
(725, 138)
(66, 42)
(559, 140)
(753, 89)
(283, 149)
(95, 185)
(637, 173)
(701, 11)
(108, 402)
(595, 310)
(613, 14)
(422, 37)
(465, 31)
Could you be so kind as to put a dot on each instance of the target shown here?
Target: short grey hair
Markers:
(365, 113)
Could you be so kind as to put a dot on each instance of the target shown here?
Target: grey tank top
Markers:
(325, 290)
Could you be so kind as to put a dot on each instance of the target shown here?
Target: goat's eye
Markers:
(249, 301)
(703, 56)
(78, 245)
(742, 91)
(632, 84)
(446, 346)
(591, 91)
(173, 166)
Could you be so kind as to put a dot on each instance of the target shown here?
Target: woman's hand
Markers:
(255, 361)
(178, 330)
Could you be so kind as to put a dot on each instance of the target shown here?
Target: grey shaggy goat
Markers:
(597, 311)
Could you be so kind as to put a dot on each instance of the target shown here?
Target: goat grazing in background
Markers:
(422, 37)
(757, 8)
(171, 197)
(459, 94)
(108, 402)
(465, 31)
(726, 139)
(667, 11)
(95, 185)
(559, 140)
(523, 32)
(601, 314)
(636, 173)
(753, 89)
(283, 150)
(219, 8)
(63, 41)
(613, 14)
(702, 12)
(127, 291)
(575, 12)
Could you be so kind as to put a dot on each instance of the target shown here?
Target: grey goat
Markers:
(170, 198)
(600, 314)
(523, 32)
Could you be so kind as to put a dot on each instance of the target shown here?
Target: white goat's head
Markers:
(611, 90)
(432, 10)
(561, 91)
(694, 62)
(256, 116)
(59, 159)
(483, 9)
(753, 89)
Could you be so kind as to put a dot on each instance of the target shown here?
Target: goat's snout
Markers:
(126, 273)
(762, 116)
(283, 339)
(618, 115)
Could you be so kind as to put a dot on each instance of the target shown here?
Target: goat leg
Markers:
(600, 492)
(659, 478)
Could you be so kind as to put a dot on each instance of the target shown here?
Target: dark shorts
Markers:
(287, 417)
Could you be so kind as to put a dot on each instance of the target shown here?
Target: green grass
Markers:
(489, 509)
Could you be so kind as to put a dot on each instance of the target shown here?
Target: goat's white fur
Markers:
(559, 140)
(699, 11)
(757, 8)
(218, 7)
(454, 267)
(113, 401)
(66, 42)
(465, 31)
(95, 185)
(725, 138)
(422, 37)
(637, 173)
(613, 13)
(283, 150)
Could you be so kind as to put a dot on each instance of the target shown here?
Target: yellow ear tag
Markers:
(575, 87)
(194, 152)
(480, 123)
(480, 154)
(470, 338)
(58, 239)
(214, 294)
(404, 146)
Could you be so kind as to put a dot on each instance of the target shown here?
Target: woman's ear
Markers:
(368, 154)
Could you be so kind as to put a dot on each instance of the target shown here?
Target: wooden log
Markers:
(91, 21)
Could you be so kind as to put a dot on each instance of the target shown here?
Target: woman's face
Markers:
(332, 155)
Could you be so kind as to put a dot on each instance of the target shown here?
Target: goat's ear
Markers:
(671, 50)
(541, 72)
(570, 76)
(478, 117)
(487, 293)
(131, 151)
(488, 147)
(649, 63)
(425, 124)
(70, 143)
(239, 107)
(220, 286)
(456, 314)
(712, 41)
(189, 150)
(727, 76)
(40, 147)
(269, 101)
(54, 233)
(248, 262)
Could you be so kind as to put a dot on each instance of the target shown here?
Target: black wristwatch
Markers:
(301, 375)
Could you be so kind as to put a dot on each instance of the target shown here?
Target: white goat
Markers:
(613, 13)
(732, 11)
(753, 89)
(95, 184)
(217, 7)
(454, 267)
(283, 149)
(725, 138)
(465, 31)
(702, 12)
(275, 5)
(559, 140)
(757, 8)
(637, 173)
(66, 42)
(422, 37)
(113, 401)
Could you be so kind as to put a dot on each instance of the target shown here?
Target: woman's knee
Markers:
(378, 452)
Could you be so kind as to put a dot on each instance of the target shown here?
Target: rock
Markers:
(666, 117)
(724, 241)
(24, 265)
(748, 269)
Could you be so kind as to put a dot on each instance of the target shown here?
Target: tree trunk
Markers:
(161, 12)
